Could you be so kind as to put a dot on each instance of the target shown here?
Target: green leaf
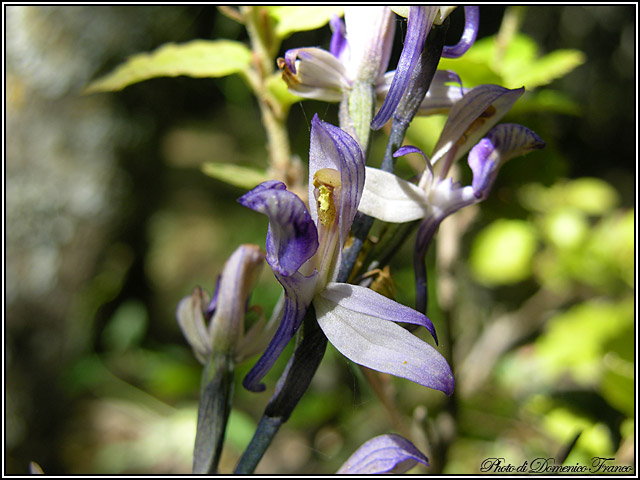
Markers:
(545, 70)
(518, 56)
(518, 66)
(301, 18)
(243, 177)
(471, 71)
(199, 58)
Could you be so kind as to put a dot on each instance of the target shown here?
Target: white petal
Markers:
(392, 199)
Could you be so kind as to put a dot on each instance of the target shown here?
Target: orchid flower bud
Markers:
(226, 311)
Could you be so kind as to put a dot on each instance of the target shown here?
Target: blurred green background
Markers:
(110, 221)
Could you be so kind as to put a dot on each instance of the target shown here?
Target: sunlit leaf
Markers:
(502, 252)
(199, 58)
(513, 65)
(518, 54)
(244, 177)
(544, 70)
(472, 71)
(293, 19)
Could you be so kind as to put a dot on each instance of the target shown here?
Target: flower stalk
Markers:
(264, 45)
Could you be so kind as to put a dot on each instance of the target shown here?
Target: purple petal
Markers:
(292, 237)
(471, 25)
(483, 164)
(366, 301)
(382, 345)
(407, 149)
(502, 143)
(338, 39)
(418, 26)
(298, 291)
(470, 118)
(384, 454)
(331, 147)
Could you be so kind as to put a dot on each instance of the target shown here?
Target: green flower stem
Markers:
(216, 393)
(361, 103)
(292, 385)
(264, 45)
(267, 429)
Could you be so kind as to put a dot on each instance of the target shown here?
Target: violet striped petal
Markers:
(388, 453)
(332, 147)
(418, 26)
(298, 291)
(502, 143)
(382, 345)
(470, 118)
(366, 301)
(471, 25)
(292, 237)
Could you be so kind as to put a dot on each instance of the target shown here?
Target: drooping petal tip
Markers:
(292, 237)
(503, 142)
(471, 25)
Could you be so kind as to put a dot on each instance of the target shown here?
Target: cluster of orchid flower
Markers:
(306, 237)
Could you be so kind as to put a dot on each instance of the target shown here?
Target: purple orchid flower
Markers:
(383, 454)
(419, 22)
(392, 199)
(360, 50)
(304, 249)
